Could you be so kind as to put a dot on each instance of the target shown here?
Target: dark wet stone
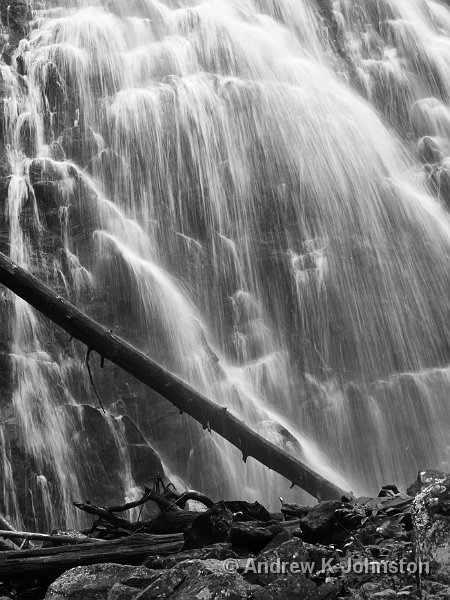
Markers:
(254, 535)
(249, 512)
(323, 524)
(211, 527)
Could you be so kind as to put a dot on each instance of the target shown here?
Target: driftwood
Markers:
(188, 400)
(129, 551)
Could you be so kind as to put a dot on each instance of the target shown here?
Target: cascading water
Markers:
(235, 186)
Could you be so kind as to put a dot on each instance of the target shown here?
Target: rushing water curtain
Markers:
(255, 193)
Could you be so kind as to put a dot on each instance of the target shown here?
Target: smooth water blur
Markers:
(248, 185)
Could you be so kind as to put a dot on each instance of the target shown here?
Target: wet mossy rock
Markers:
(431, 521)
(200, 580)
(95, 582)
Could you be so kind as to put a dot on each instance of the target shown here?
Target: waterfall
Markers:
(255, 193)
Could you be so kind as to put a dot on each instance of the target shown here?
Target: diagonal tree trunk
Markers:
(180, 394)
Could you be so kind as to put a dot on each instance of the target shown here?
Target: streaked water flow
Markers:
(244, 180)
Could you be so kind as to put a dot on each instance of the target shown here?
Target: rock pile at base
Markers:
(392, 546)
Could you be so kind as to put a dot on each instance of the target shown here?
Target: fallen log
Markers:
(188, 400)
(127, 551)
(44, 537)
(6, 526)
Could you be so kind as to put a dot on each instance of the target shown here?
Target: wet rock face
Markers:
(95, 582)
(431, 521)
(16, 14)
(15, 17)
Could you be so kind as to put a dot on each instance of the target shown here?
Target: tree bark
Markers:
(128, 551)
(188, 400)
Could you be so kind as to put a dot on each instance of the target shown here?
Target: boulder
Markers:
(279, 539)
(429, 150)
(210, 527)
(254, 535)
(292, 587)
(320, 554)
(95, 582)
(431, 523)
(324, 524)
(122, 592)
(216, 551)
(293, 551)
(199, 580)
(436, 590)
(440, 182)
(382, 588)
(248, 512)
(424, 478)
